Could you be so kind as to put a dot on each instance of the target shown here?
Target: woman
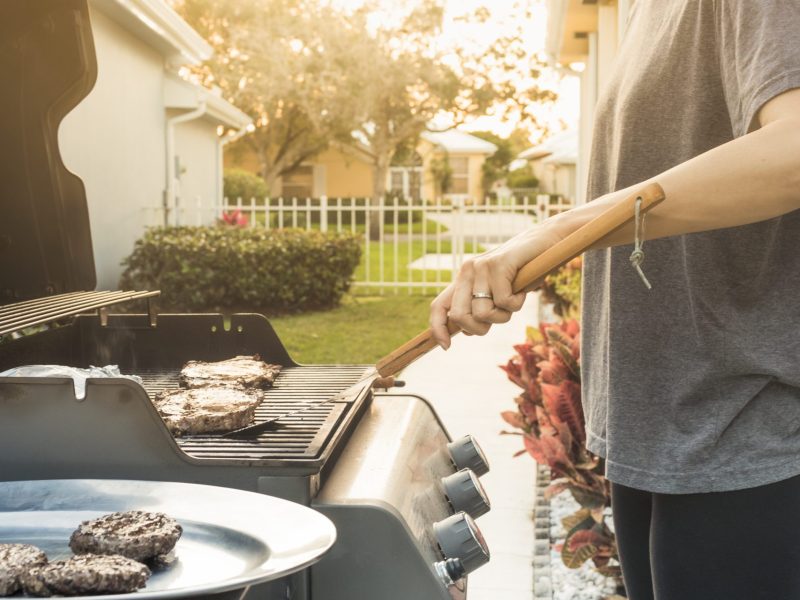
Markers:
(692, 390)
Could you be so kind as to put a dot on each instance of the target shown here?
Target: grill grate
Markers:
(301, 436)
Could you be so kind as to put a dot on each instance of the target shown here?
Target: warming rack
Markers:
(40, 311)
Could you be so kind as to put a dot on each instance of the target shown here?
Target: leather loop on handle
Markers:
(536, 270)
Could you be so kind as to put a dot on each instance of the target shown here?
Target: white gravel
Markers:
(554, 580)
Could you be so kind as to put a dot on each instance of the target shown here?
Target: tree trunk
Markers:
(380, 171)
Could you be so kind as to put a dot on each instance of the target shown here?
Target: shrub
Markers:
(562, 289)
(202, 268)
(550, 417)
(238, 183)
(522, 178)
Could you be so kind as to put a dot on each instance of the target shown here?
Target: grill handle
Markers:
(534, 272)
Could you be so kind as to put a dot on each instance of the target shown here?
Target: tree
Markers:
(288, 64)
(496, 167)
(407, 83)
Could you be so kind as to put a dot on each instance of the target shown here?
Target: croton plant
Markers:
(549, 417)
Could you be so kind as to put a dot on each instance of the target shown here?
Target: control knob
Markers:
(465, 493)
(467, 454)
(459, 538)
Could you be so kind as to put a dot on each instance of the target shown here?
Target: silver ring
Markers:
(481, 295)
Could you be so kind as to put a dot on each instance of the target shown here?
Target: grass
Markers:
(361, 330)
(406, 253)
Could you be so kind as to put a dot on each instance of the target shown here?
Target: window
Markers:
(459, 166)
(405, 182)
(299, 182)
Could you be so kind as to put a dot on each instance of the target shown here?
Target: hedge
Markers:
(212, 268)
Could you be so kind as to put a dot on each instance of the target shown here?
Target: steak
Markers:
(134, 534)
(16, 559)
(207, 410)
(86, 574)
(239, 371)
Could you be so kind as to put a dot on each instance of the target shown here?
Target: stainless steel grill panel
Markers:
(299, 436)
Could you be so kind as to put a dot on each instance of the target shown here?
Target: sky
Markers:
(505, 17)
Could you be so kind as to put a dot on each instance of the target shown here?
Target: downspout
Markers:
(221, 143)
(169, 192)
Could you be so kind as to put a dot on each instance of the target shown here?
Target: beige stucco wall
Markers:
(345, 174)
(196, 149)
(114, 141)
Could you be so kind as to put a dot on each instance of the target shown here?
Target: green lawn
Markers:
(361, 330)
(399, 271)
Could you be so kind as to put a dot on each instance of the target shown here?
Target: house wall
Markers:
(196, 149)
(344, 175)
(114, 141)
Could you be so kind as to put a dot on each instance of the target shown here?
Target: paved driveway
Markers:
(469, 391)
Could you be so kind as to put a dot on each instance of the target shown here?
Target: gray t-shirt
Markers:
(695, 385)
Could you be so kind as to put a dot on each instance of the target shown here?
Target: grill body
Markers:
(373, 464)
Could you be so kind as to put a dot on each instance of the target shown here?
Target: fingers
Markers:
(461, 307)
(486, 310)
(438, 316)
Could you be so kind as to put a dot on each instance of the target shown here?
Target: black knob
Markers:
(465, 493)
(467, 454)
(460, 538)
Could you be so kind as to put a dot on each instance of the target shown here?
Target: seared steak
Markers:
(86, 574)
(134, 534)
(16, 559)
(207, 410)
(240, 371)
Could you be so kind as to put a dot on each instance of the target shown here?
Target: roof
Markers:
(182, 94)
(460, 142)
(568, 24)
(157, 24)
(561, 148)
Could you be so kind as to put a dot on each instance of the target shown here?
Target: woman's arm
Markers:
(752, 178)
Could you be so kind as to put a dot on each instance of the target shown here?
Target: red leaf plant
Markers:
(550, 419)
(234, 218)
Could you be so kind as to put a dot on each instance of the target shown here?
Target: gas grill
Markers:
(381, 466)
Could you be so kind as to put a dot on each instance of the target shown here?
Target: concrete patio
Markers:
(469, 391)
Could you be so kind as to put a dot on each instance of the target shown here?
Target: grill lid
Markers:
(48, 63)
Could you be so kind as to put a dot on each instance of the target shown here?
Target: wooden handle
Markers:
(536, 270)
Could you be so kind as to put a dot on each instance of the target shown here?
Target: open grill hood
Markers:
(48, 63)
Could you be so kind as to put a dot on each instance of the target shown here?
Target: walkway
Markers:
(469, 391)
(491, 225)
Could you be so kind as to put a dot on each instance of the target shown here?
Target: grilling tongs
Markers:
(529, 276)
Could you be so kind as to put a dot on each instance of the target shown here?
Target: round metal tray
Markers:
(231, 539)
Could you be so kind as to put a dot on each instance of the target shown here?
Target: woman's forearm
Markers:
(752, 178)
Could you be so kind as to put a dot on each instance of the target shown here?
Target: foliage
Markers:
(562, 289)
(238, 183)
(442, 173)
(496, 167)
(201, 268)
(289, 65)
(234, 218)
(522, 178)
(550, 418)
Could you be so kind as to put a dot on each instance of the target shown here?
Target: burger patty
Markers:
(86, 574)
(240, 371)
(134, 534)
(16, 559)
(207, 410)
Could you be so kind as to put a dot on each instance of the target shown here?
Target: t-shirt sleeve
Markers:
(758, 42)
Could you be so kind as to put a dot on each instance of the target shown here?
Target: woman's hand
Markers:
(482, 293)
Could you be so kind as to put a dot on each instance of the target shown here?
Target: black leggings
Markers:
(740, 545)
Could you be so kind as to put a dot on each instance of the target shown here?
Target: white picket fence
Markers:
(421, 257)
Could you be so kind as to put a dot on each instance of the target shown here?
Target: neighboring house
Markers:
(345, 170)
(580, 31)
(554, 164)
(143, 141)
